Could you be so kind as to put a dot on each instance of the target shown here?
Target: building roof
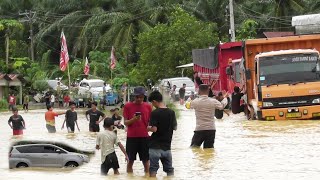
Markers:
(12, 77)
(2, 76)
(278, 34)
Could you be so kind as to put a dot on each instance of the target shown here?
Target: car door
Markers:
(61, 156)
(50, 156)
(32, 153)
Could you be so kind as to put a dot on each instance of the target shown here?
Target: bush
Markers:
(3, 104)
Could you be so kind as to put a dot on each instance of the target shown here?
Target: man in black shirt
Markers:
(116, 118)
(94, 115)
(235, 104)
(71, 118)
(16, 122)
(162, 123)
(182, 93)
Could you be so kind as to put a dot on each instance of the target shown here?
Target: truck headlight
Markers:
(267, 104)
(316, 101)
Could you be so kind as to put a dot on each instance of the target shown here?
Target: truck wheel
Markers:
(72, 164)
(258, 115)
(22, 165)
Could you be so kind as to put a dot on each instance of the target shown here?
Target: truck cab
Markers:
(287, 85)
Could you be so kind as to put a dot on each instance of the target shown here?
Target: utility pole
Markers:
(232, 30)
(30, 18)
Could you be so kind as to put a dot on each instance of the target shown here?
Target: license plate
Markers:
(293, 115)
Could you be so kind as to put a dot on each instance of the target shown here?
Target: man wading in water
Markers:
(205, 110)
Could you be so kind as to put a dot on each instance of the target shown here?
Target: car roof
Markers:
(24, 145)
(93, 80)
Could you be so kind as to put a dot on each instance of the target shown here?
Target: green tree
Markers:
(10, 26)
(168, 45)
(247, 30)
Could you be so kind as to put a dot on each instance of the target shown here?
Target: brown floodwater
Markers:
(243, 150)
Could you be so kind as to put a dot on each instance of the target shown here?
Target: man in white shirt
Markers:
(52, 100)
(205, 107)
(105, 142)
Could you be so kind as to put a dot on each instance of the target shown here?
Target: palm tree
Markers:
(210, 10)
(94, 28)
(284, 9)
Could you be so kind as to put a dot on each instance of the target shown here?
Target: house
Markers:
(9, 80)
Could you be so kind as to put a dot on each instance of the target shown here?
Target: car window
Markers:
(84, 84)
(97, 84)
(49, 149)
(30, 149)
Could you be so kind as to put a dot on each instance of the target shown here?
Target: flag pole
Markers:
(69, 77)
(111, 77)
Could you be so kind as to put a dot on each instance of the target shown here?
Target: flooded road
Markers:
(243, 150)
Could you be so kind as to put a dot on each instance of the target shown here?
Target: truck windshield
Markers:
(288, 68)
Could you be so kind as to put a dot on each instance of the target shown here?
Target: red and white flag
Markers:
(113, 59)
(86, 67)
(64, 56)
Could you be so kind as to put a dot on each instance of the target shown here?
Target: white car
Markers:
(165, 84)
(190, 87)
(94, 86)
(44, 155)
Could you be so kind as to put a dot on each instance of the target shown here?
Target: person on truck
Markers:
(235, 104)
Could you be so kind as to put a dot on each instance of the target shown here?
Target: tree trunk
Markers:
(7, 49)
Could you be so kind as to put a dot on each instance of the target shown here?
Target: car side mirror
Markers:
(248, 74)
(229, 70)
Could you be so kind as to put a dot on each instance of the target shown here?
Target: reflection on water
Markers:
(243, 150)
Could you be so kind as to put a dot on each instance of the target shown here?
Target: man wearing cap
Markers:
(137, 116)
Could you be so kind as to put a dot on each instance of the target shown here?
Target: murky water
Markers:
(243, 150)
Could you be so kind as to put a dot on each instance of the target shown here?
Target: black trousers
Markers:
(205, 136)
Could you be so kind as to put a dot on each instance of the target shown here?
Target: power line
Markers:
(30, 18)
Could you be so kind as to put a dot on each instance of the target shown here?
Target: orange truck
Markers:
(282, 77)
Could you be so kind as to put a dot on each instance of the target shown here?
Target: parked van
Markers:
(93, 86)
(44, 155)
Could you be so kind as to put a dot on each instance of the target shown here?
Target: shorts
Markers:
(11, 106)
(111, 161)
(205, 136)
(138, 145)
(94, 128)
(70, 127)
(51, 129)
(166, 159)
(17, 132)
(181, 96)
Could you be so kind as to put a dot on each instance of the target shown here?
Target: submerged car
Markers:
(44, 155)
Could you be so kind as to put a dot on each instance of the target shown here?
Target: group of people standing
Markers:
(140, 119)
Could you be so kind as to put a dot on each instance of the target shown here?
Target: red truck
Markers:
(220, 63)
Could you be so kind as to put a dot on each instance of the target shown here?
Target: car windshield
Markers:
(288, 68)
(96, 84)
(179, 83)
